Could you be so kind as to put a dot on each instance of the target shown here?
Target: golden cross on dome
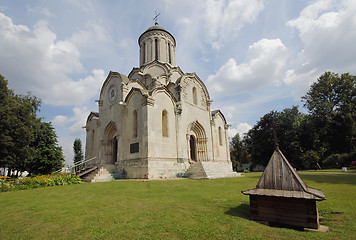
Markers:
(155, 18)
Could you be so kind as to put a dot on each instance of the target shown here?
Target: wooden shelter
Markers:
(282, 197)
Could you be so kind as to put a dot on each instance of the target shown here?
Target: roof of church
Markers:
(280, 179)
(153, 28)
(96, 114)
(213, 113)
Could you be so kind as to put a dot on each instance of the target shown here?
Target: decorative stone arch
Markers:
(110, 143)
(113, 78)
(156, 69)
(166, 91)
(197, 142)
(131, 93)
(190, 81)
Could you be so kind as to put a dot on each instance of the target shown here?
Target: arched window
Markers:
(192, 145)
(195, 98)
(134, 123)
(220, 137)
(164, 123)
(169, 53)
(156, 49)
(144, 53)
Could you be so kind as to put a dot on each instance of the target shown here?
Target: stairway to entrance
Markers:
(103, 173)
(210, 170)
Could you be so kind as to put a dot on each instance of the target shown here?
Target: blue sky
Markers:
(255, 56)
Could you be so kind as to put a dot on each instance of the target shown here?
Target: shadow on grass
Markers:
(330, 178)
(242, 211)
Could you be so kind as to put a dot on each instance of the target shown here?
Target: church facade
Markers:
(157, 122)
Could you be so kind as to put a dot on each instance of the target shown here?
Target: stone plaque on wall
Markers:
(134, 147)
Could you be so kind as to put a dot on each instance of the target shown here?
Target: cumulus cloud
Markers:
(327, 30)
(203, 25)
(223, 20)
(36, 61)
(74, 124)
(241, 129)
(265, 60)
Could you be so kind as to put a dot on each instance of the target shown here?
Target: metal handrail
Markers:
(80, 165)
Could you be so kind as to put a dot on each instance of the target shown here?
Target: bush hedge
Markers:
(8, 184)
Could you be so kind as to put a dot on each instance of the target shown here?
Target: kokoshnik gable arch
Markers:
(157, 121)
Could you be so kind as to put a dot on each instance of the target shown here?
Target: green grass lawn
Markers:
(333, 170)
(181, 209)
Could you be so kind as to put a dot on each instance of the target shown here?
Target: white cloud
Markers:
(241, 129)
(203, 25)
(265, 60)
(69, 128)
(327, 30)
(60, 120)
(75, 122)
(40, 10)
(35, 60)
(89, 36)
(224, 21)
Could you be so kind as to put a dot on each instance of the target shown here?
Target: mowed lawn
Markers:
(177, 209)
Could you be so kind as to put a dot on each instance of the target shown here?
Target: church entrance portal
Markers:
(192, 148)
(114, 150)
(110, 143)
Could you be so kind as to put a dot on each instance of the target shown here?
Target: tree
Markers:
(238, 152)
(235, 147)
(48, 156)
(331, 102)
(26, 143)
(77, 147)
(18, 116)
(260, 140)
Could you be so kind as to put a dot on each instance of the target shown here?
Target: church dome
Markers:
(156, 43)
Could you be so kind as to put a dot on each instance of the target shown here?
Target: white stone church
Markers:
(156, 122)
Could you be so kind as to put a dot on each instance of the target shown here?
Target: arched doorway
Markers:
(192, 145)
(110, 144)
(114, 150)
(196, 142)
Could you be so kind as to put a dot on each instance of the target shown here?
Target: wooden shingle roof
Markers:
(280, 179)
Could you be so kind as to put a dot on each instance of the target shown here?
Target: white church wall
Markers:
(219, 135)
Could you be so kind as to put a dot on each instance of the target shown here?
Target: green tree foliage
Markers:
(48, 155)
(77, 148)
(238, 152)
(331, 102)
(18, 117)
(18, 128)
(327, 135)
(284, 126)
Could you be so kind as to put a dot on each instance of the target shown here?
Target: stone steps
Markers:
(210, 170)
(104, 173)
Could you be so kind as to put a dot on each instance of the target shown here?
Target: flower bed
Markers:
(8, 184)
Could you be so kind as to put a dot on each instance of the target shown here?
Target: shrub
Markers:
(8, 184)
(340, 160)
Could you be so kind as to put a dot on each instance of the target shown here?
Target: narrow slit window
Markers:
(195, 98)
(164, 123)
(144, 52)
(135, 123)
(156, 49)
(169, 53)
(220, 136)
